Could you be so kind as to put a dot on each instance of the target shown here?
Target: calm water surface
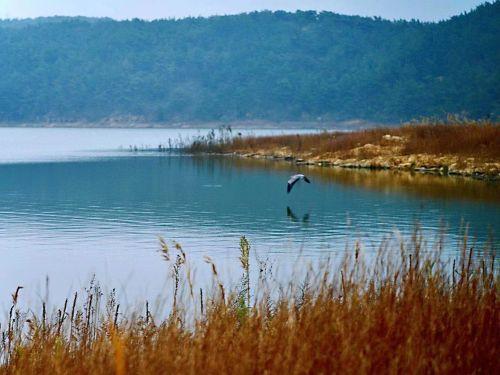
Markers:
(72, 205)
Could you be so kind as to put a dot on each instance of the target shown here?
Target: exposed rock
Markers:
(394, 138)
(371, 156)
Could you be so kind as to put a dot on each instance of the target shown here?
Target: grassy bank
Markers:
(405, 312)
(466, 148)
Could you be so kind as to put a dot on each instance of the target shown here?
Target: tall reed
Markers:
(406, 310)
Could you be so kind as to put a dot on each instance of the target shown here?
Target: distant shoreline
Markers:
(250, 124)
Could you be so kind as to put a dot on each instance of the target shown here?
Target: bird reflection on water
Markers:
(294, 218)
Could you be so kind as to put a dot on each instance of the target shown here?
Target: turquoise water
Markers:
(88, 208)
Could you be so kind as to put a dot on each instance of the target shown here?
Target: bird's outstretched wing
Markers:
(307, 180)
(292, 181)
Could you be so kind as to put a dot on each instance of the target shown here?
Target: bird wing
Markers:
(307, 180)
(292, 181)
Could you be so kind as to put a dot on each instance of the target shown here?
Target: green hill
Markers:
(264, 65)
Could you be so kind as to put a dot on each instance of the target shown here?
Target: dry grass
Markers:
(466, 139)
(405, 313)
(470, 139)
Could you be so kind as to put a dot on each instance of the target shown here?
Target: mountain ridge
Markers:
(276, 66)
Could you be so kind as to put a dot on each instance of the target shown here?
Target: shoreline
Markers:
(468, 149)
(205, 125)
(411, 163)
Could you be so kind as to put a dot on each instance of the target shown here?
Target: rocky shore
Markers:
(388, 156)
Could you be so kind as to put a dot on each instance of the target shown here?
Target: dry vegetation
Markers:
(407, 312)
(468, 148)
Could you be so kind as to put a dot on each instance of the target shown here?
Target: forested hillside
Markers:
(264, 65)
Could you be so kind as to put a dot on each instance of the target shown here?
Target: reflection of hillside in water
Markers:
(418, 184)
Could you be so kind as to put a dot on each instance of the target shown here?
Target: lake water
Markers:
(74, 203)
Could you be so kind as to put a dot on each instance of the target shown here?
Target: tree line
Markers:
(302, 66)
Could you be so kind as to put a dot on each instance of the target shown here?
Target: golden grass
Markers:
(404, 312)
(481, 140)
(466, 139)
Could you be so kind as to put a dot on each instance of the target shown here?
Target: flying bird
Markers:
(293, 180)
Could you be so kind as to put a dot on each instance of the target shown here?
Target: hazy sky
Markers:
(427, 10)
